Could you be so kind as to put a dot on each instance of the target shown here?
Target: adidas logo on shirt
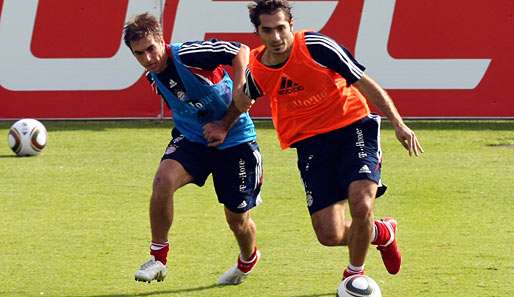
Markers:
(287, 86)
(364, 169)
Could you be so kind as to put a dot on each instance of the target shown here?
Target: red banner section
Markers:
(437, 59)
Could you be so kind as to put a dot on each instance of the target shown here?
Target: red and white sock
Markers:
(247, 265)
(160, 251)
(352, 270)
(380, 234)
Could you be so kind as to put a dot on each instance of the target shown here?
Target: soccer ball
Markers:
(27, 137)
(358, 286)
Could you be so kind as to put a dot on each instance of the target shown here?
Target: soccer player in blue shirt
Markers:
(211, 136)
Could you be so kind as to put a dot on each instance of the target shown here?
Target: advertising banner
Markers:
(437, 59)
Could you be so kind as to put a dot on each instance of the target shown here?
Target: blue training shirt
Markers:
(200, 102)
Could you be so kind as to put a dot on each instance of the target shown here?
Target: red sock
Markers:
(247, 265)
(382, 235)
(160, 251)
(349, 271)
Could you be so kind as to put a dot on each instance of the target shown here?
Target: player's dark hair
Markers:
(260, 7)
(141, 26)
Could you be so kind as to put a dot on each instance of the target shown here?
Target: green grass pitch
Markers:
(74, 220)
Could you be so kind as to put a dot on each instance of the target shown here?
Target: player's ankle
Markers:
(160, 251)
(353, 270)
(246, 265)
(382, 233)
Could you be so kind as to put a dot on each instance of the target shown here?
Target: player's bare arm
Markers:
(379, 97)
(215, 132)
(239, 64)
(239, 67)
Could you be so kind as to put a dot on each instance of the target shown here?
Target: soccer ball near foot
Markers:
(27, 137)
(358, 286)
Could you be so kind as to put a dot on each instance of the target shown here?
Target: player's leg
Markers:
(330, 225)
(317, 163)
(361, 197)
(333, 229)
(361, 167)
(182, 163)
(364, 229)
(244, 231)
(170, 176)
(243, 227)
(324, 171)
(237, 179)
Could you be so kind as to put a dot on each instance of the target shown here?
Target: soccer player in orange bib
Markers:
(318, 94)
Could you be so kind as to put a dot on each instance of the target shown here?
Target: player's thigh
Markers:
(329, 221)
(194, 158)
(361, 198)
(170, 176)
(237, 219)
(237, 175)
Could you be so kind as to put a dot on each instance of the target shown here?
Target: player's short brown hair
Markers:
(141, 26)
(260, 7)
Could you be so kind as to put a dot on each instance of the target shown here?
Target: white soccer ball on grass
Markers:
(358, 286)
(27, 137)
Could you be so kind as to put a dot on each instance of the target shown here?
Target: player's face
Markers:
(150, 52)
(276, 33)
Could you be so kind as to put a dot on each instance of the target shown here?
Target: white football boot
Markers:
(151, 270)
(234, 276)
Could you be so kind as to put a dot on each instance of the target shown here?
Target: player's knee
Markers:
(362, 212)
(361, 199)
(164, 184)
(238, 223)
(328, 227)
(329, 234)
(329, 237)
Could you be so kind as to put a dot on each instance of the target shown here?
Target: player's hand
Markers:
(214, 133)
(408, 139)
(243, 103)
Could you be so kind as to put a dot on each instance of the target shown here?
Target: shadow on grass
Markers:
(154, 293)
(507, 145)
(8, 156)
(164, 292)
(315, 295)
(100, 125)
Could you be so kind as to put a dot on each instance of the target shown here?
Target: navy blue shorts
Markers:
(236, 171)
(329, 162)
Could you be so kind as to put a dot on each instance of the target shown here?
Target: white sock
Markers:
(249, 260)
(374, 232)
(158, 246)
(355, 268)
